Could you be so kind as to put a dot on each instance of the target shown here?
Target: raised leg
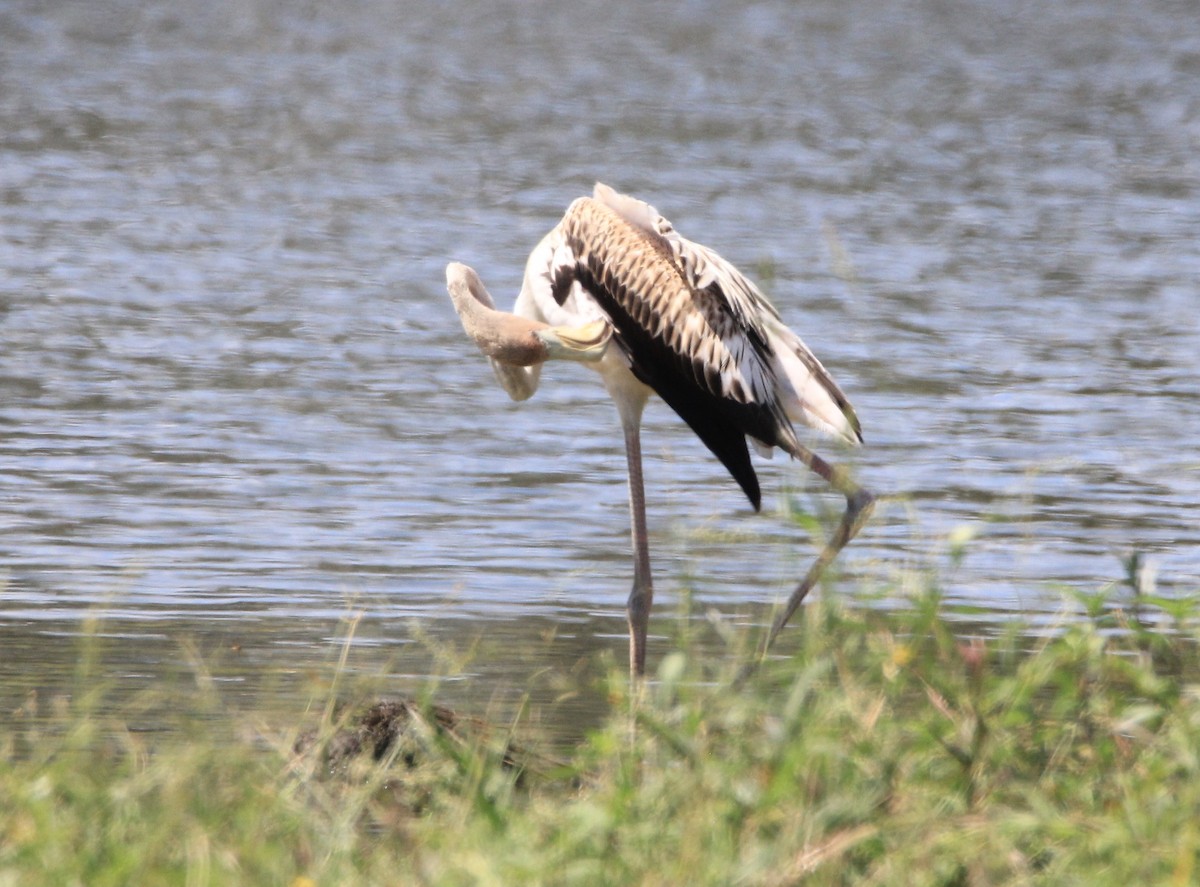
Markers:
(859, 505)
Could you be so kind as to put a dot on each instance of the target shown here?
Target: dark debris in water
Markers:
(405, 733)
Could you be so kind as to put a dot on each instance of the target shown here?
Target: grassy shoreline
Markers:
(886, 748)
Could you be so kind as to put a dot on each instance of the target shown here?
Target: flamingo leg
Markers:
(860, 503)
(642, 597)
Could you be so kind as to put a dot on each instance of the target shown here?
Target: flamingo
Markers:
(613, 285)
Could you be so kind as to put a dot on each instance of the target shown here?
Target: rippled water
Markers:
(235, 403)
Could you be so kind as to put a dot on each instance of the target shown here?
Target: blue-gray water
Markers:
(236, 405)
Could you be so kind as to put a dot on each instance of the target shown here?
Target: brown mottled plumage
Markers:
(684, 324)
(696, 331)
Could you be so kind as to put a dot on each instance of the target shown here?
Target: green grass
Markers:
(885, 748)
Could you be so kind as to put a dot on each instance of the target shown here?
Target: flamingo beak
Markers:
(587, 343)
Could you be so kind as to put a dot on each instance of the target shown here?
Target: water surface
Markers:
(236, 405)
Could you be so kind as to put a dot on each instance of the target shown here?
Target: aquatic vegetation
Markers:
(886, 747)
